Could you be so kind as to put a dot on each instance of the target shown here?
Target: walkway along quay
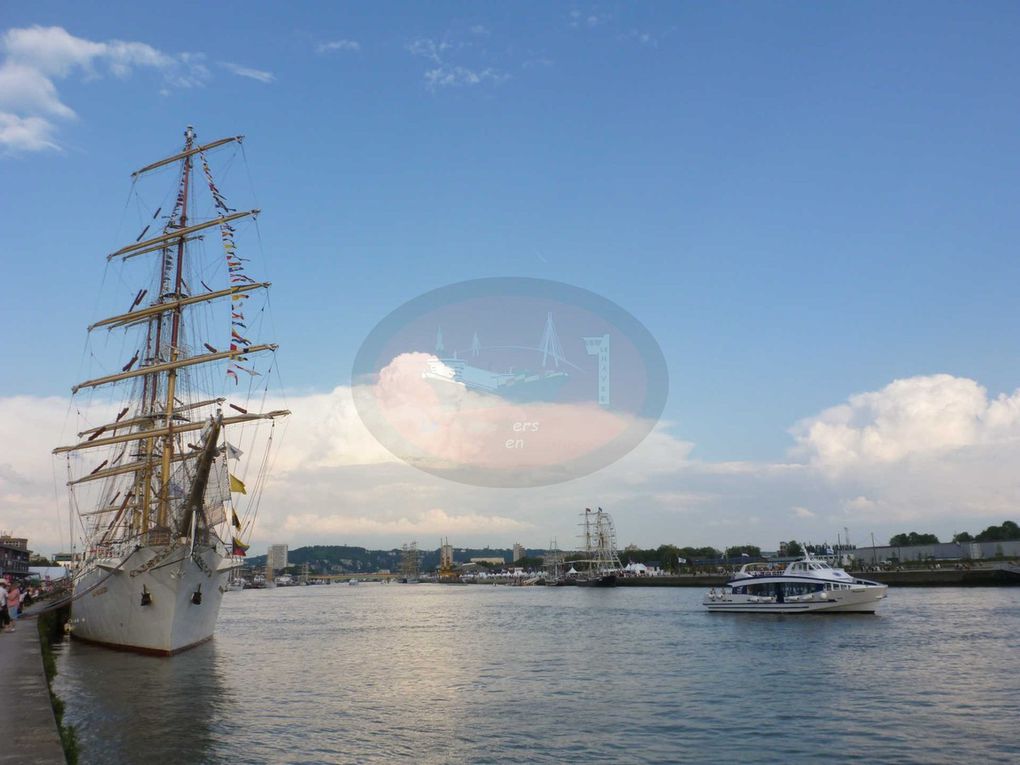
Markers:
(30, 729)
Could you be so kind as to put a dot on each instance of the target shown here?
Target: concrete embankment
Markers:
(30, 729)
(997, 576)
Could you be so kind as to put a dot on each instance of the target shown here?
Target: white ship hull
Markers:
(110, 608)
(864, 600)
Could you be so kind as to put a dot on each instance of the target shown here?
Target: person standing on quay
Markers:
(4, 614)
(13, 604)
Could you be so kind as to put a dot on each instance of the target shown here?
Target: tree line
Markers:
(1006, 532)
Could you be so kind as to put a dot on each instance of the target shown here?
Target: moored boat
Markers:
(153, 476)
(600, 580)
(802, 586)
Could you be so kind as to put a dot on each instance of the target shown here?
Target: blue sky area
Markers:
(800, 201)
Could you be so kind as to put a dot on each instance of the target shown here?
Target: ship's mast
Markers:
(175, 331)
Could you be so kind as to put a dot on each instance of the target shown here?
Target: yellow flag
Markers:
(236, 484)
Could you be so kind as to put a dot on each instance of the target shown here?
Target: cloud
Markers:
(682, 501)
(929, 448)
(27, 90)
(919, 416)
(26, 133)
(446, 76)
(429, 523)
(428, 48)
(646, 39)
(581, 20)
(333, 45)
(926, 453)
(35, 58)
(445, 73)
(30, 427)
(252, 74)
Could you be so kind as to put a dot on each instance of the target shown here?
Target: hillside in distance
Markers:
(343, 559)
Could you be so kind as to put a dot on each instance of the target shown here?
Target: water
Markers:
(443, 674)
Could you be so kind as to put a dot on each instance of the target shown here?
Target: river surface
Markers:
(387, 673)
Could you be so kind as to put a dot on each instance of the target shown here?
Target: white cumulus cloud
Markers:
(34, 59)
(928, 453)
(908, 418)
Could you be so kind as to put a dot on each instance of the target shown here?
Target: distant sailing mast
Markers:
(409, 563)
(599, 538)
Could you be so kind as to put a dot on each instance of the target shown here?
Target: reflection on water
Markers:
(439, 674)
(124, 704)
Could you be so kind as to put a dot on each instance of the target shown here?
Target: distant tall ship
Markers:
(153, 474)
(601, 564)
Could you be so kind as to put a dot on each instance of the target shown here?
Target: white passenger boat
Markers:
(803, 586)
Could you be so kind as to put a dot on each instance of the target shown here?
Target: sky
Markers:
(811, 207)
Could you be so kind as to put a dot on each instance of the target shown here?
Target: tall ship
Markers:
(166, 474)
(601, 564)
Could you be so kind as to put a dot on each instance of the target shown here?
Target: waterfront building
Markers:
(519, 551)
(276, 558)
(973, 551)
(14, 555)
